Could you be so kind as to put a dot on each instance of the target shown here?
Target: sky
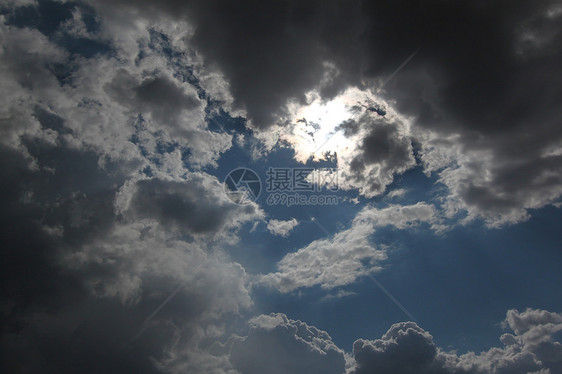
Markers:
(249, 187)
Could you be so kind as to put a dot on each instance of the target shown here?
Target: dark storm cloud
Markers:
(489, 72)
(59, 198)
(477, 72)
(474, 55)
(26, 267)
(272, 51)
(86, 335)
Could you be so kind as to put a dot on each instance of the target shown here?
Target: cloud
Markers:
(26, 73)
(333, 262)
(159, 96)
(101, 154)
(86, 272)
(196, 205)
(171, 114)
(85, 277)
(383, 152)
(141, 97)
(97, 302)
(396, 193)
(498, 188)
(407, 348)
(298, 40)
(78, 281)
(155, 113)
(534, 330)
(349, 254)
(481, 99)
(279, 345)
(399, 216)
(108, 209)
(281, 228)
(290, 46)
(370, 148)
(479, 94)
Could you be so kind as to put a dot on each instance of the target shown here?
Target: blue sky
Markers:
(438, 277)
(437, 127)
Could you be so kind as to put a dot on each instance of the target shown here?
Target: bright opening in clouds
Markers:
(315, 130)
(318, 128)
(280, 187)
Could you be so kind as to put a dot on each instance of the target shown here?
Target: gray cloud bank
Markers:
(277, 344)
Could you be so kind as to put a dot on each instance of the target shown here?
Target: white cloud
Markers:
(328, 262)
(399, 216)
(338, 294)
(155, 110)
(397, 193)
(349, 254)
(125, 107)
(281, 228)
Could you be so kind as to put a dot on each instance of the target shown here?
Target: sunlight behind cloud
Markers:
(366, 137)
(315, 126)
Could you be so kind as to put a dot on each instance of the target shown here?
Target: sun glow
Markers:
(315, 132)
